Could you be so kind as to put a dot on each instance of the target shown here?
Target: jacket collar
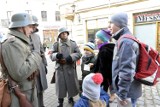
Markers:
(19, 35)
(121, 32)
(84, 97)
(67, 42)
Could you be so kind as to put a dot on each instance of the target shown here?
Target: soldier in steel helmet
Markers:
(20, 61)
(36, 44)
(65, 54)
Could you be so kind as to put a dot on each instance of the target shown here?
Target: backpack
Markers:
(148, 69)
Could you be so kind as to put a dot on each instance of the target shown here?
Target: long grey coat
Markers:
(41, 78)
(66, 75)
(21, 63)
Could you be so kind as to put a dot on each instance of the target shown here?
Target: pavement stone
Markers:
(150, 96)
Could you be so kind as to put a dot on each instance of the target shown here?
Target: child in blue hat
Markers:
(88, 59)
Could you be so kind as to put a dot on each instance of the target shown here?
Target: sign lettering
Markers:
(147, 17)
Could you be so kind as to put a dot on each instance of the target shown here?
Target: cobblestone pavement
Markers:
(150, 97)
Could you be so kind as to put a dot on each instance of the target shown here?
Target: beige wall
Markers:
(107, 12)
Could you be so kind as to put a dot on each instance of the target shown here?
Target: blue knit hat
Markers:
(120, 19)
(89, 46)
(103, 35)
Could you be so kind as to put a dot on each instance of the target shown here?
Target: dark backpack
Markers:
(148, 69)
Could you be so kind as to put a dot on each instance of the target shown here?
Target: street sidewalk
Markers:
(150, 97)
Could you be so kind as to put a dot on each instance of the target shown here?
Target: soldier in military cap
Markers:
(65, 53)
(36, 44)
(20, 61)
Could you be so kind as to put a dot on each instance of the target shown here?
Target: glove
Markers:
(59, 56)
(69, 59)
(62, 61)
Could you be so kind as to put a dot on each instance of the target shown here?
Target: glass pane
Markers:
(91, 24)
(102, 23)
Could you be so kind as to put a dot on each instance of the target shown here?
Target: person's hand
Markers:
(69, 59)
(59, 56)
(123, 102)
(50, 52)
(33, 75)
(91, 65)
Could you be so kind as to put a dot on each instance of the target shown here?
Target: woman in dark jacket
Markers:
(103, 63)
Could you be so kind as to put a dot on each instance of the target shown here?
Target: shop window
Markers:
(146, 32)
(92, 32)
(91, 24)
(101, 23)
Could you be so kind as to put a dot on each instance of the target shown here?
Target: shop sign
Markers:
(147, 17)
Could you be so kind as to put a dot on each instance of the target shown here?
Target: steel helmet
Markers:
(21, 20)
(35, 19)
(61, 30)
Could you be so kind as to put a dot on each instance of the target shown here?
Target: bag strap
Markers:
(129, 37)
(147, 47)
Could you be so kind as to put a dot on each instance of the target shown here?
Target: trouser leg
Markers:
(40, 99)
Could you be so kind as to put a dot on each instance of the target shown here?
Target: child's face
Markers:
(86, 52)
(98, 41)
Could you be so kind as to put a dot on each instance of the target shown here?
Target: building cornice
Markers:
(109, 5)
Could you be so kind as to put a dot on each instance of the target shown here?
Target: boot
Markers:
(71, 101)
(60, 101)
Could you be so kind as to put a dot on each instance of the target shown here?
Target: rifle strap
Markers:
(59, 48)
